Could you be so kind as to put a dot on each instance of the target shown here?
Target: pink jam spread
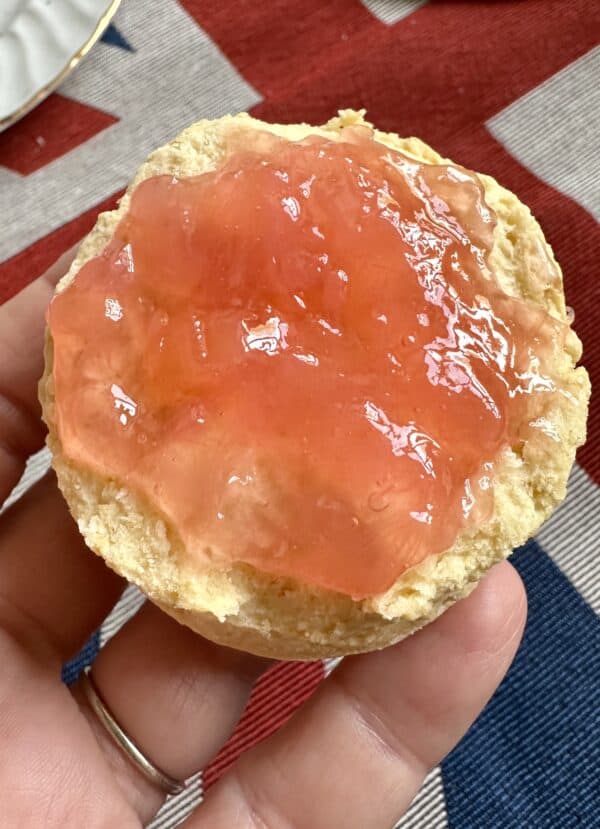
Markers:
(302, 360)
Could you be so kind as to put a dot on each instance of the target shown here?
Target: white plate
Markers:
(40, 42)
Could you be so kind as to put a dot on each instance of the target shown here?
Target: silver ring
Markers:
(168, 784)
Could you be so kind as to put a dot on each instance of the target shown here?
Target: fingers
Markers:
(175, 694)
(51, 584)
(385, 718)
(21, 364)
(52, 772)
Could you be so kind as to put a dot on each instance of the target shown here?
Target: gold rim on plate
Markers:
(44, 91)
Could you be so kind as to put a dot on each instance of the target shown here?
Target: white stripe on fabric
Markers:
(127, 606)
(391, 11)
(330, 665)
(570, 536)
(36, 467)
(175, 77)
(177, 808)
(553, 130)
(428, 809)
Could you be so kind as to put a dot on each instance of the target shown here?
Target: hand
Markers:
(354, 756)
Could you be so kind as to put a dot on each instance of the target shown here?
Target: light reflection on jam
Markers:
(302, 359)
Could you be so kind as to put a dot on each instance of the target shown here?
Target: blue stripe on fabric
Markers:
(533, 757)
(113, 37)
(85, 657)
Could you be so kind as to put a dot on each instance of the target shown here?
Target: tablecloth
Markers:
(509, 88)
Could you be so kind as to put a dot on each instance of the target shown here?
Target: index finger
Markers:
(21, 365)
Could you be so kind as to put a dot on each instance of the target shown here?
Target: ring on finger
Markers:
(159, 778)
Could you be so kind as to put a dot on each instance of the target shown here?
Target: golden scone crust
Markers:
(280, 618)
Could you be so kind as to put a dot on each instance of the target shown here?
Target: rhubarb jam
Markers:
(303, 360)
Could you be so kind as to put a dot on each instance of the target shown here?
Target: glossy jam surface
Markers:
(302, 359)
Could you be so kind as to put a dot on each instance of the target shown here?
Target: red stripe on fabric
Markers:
(446, 66)
(575, 238)
(52, 129)
(281, 41)
(278, 681)
(273, 701)
(28, 264)
(261, 725)
(259, 728)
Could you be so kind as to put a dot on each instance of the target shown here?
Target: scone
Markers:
(307, 384)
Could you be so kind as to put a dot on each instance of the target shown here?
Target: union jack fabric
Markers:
(510, 88)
